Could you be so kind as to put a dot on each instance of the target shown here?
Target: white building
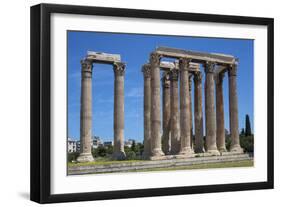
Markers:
(96, 141)
(108, 143)
(71, 145)
(129, 142)
(74, 146)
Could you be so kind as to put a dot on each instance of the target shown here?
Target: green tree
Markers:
(247, 143)
(100, 151)
(72, 156)
(227, 142)
(248, 131)
(133, 147)
(109, 150)
(242, 133)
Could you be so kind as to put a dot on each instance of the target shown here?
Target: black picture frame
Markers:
(41, 98)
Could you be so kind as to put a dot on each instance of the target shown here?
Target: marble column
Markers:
(198, 113)
(190, 110)
(166, 114)
(175, 128)
(86, 113)
(146, 110)
(118, 148)
(210, 109)
(220, 113)
(233, 110)
(185, 136)
(155, 116)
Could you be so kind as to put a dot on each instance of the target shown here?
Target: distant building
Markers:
(78, 146)
(96, 142)
(108, 143)
(74, 146)
(129, 142)
(71, 145)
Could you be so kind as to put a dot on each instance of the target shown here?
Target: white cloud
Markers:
(134, 93)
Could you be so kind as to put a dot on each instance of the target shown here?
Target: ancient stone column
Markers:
(190, 110)
(155, 115)
(233, 110)
(118, 148)
(198, 113)
(220, 113)
(86, 113)
(146, 110)
(185, 136)
(175, 125)
(166, 114)
(210, 109)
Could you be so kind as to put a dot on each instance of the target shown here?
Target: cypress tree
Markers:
(248, 130)
(242, 132)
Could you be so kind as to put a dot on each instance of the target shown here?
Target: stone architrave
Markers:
(146, 112)
(185, 136)
(233, 110)
(118, 148)
(175, 128)
(155, 130)
(210, 109)
(220, 113)
(86, 113)
(198, 113)
(166, 137)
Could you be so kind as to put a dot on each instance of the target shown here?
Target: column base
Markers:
(156, 154)
(85, 157)
(199, 150)
(120, 155)
(213, 152)
(222, 149)
(186, 151)
(236, 149)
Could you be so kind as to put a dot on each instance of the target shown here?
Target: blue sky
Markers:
(134, 50)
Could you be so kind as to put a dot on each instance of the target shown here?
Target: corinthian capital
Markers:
(174, 74)
(119, 68)
(184, 63)
(197, 77)
(146, 71)
(86, 65)
(232, 70)
(210, 67)
(155, 58)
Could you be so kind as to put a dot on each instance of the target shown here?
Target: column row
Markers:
(177, 118)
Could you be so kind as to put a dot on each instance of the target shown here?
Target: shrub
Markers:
(131, 155)
(247, 143)
(72, 156)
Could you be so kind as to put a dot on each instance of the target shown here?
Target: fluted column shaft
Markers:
(118, 149)
(86, 112)
(220, 113)
(155, 115)
(198, 113)
(175, 128)
(190, 110)
(210, 109)
(233, 110)
(185, 136)
(166, 113)
(146, 111)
